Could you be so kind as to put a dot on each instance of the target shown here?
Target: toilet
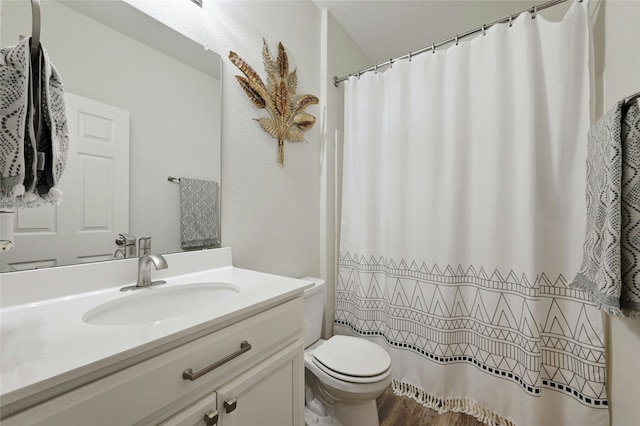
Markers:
(343, 375)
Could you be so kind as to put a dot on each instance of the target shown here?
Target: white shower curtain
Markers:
(463, 216)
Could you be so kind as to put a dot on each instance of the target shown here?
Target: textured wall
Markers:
(270, 215)
(340, 56)
(618, 46)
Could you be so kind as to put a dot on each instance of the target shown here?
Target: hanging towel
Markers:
(33, 141)
(198, 213)
(610, 270)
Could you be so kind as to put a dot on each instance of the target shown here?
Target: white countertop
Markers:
(45, 343)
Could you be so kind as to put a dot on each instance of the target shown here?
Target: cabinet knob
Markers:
(230, 405)
(211, 418)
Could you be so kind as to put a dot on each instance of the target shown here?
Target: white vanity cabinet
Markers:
(250, 372)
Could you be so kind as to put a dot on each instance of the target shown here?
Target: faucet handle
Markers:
(144, 246)
(125, 240)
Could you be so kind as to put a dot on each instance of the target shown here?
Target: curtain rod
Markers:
(456, 39)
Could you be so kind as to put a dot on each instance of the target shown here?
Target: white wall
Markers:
(270, 214)
(617, 49)
(340, 56)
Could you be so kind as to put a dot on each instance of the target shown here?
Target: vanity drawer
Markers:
(157, 385)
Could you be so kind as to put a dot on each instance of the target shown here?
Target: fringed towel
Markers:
(198, 213)
(610, 270)
(33, 141)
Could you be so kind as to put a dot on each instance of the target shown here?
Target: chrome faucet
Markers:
(144, 266)
(144, 269)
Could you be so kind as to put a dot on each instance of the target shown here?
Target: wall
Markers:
(277, 220)
(618, 75)
(340, 56)
(270, 214)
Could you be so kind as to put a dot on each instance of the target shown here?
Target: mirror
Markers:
(143, 104)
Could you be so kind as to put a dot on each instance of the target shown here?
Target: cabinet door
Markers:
(201, 413)
(270, 394)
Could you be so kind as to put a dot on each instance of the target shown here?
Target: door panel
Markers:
(95, 206)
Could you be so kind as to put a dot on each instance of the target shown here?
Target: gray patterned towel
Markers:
(610, 270)
(33, 147)
(199, 213)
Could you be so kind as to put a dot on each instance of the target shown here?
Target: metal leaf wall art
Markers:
(287, 119)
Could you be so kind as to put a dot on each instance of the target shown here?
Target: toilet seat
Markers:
(351, 379)
(352, 359)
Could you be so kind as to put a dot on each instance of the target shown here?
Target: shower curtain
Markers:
(464, 215)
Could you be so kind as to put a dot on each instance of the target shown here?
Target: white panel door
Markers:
(95, 184)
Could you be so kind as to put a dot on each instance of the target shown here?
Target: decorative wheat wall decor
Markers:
(287, 118)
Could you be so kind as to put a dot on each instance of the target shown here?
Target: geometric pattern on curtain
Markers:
(443, 314)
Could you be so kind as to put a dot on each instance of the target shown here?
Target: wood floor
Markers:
(403, 411)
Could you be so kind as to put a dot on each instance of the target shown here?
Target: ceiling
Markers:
(388, 29)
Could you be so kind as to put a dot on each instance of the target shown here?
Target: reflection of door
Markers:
(95, 184)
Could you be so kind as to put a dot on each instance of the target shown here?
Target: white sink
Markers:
(161, 303)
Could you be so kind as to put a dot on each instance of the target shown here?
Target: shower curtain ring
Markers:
(358, 75)
(390, 63)
(410, 56)
(375, 69)
(456, 39)
(484, 30)
(510, 20)
(533, 14)
(433, 48)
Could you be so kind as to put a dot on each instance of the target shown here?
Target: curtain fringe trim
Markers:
(456, 405)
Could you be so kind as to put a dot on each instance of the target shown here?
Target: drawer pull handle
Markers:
(230, 405)
(211, 418)
(190, 375)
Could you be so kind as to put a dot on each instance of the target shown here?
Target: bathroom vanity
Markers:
(75, 358)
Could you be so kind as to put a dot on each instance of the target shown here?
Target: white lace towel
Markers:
(198, 213)
(610, 270)
(33, 147)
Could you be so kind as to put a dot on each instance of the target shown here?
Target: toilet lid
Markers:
(353, 356)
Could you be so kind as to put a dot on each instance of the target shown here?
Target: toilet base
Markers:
(312, 419)
(365, 414)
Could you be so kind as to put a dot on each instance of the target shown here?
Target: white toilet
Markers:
(343, 375)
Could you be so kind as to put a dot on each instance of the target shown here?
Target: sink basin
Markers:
(161, 303)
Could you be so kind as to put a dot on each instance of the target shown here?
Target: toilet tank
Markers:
(314, 298)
